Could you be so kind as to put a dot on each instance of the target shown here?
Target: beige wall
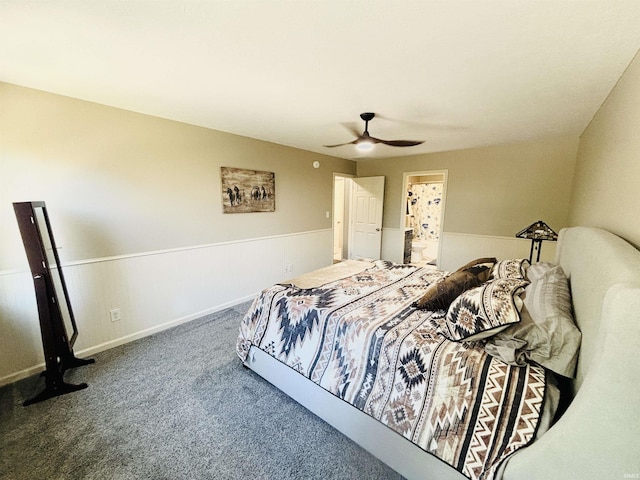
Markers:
(494, 190)
(136, 207)
(117, 182)
(607, 185)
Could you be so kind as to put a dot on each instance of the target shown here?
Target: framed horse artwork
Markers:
(246, 191)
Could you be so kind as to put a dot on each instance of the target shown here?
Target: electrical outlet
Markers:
(288, 267)
(115, 315)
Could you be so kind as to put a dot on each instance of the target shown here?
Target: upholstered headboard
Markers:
(598, 437)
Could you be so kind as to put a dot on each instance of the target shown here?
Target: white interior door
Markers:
(366, 218)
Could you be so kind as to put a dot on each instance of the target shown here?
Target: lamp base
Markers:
(536, 244)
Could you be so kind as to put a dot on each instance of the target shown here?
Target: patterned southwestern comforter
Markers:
(360, 339)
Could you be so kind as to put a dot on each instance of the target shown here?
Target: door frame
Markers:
(346, 213)
(403, 203)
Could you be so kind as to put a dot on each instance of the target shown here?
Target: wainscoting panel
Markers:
(20, 342)
(158, 290)
(459, 248)
(153, 290)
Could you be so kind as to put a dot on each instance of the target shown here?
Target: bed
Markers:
(484, 416)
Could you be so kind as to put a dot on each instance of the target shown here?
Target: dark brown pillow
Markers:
(483, 272)
(488, 262)
(439, 295)
(477, 261)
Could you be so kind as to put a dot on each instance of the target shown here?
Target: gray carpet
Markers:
(176, 405)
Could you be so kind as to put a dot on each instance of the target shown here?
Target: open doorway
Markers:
(341, 206)
(423, 213)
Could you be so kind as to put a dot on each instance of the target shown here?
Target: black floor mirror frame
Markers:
(57, 323)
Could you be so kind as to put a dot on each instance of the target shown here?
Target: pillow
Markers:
(440, 294)
(488, 261)
(484, 310)
(547, 333)
(477, 261)
(512, 268)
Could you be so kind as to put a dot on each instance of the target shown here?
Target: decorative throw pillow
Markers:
(440, 294)
(478, 261)
(484, 310)
(511, 268)
(481, 267)
(547, 333)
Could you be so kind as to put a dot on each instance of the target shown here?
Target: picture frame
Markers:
(247, 191)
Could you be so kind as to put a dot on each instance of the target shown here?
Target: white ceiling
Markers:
(458, 74)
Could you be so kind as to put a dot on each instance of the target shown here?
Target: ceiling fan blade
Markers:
(352, 128)
(398, 143)
(342, 144)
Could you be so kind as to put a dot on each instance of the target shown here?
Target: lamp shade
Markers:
(538, 231)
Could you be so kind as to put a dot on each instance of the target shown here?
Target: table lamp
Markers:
(537, 232)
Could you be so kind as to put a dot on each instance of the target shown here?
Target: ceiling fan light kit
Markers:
(365, 142)
(364, 146)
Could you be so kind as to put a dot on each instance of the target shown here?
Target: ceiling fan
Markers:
(365, 142)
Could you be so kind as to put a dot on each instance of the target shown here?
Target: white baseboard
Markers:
(159, 328)
(88, 352)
